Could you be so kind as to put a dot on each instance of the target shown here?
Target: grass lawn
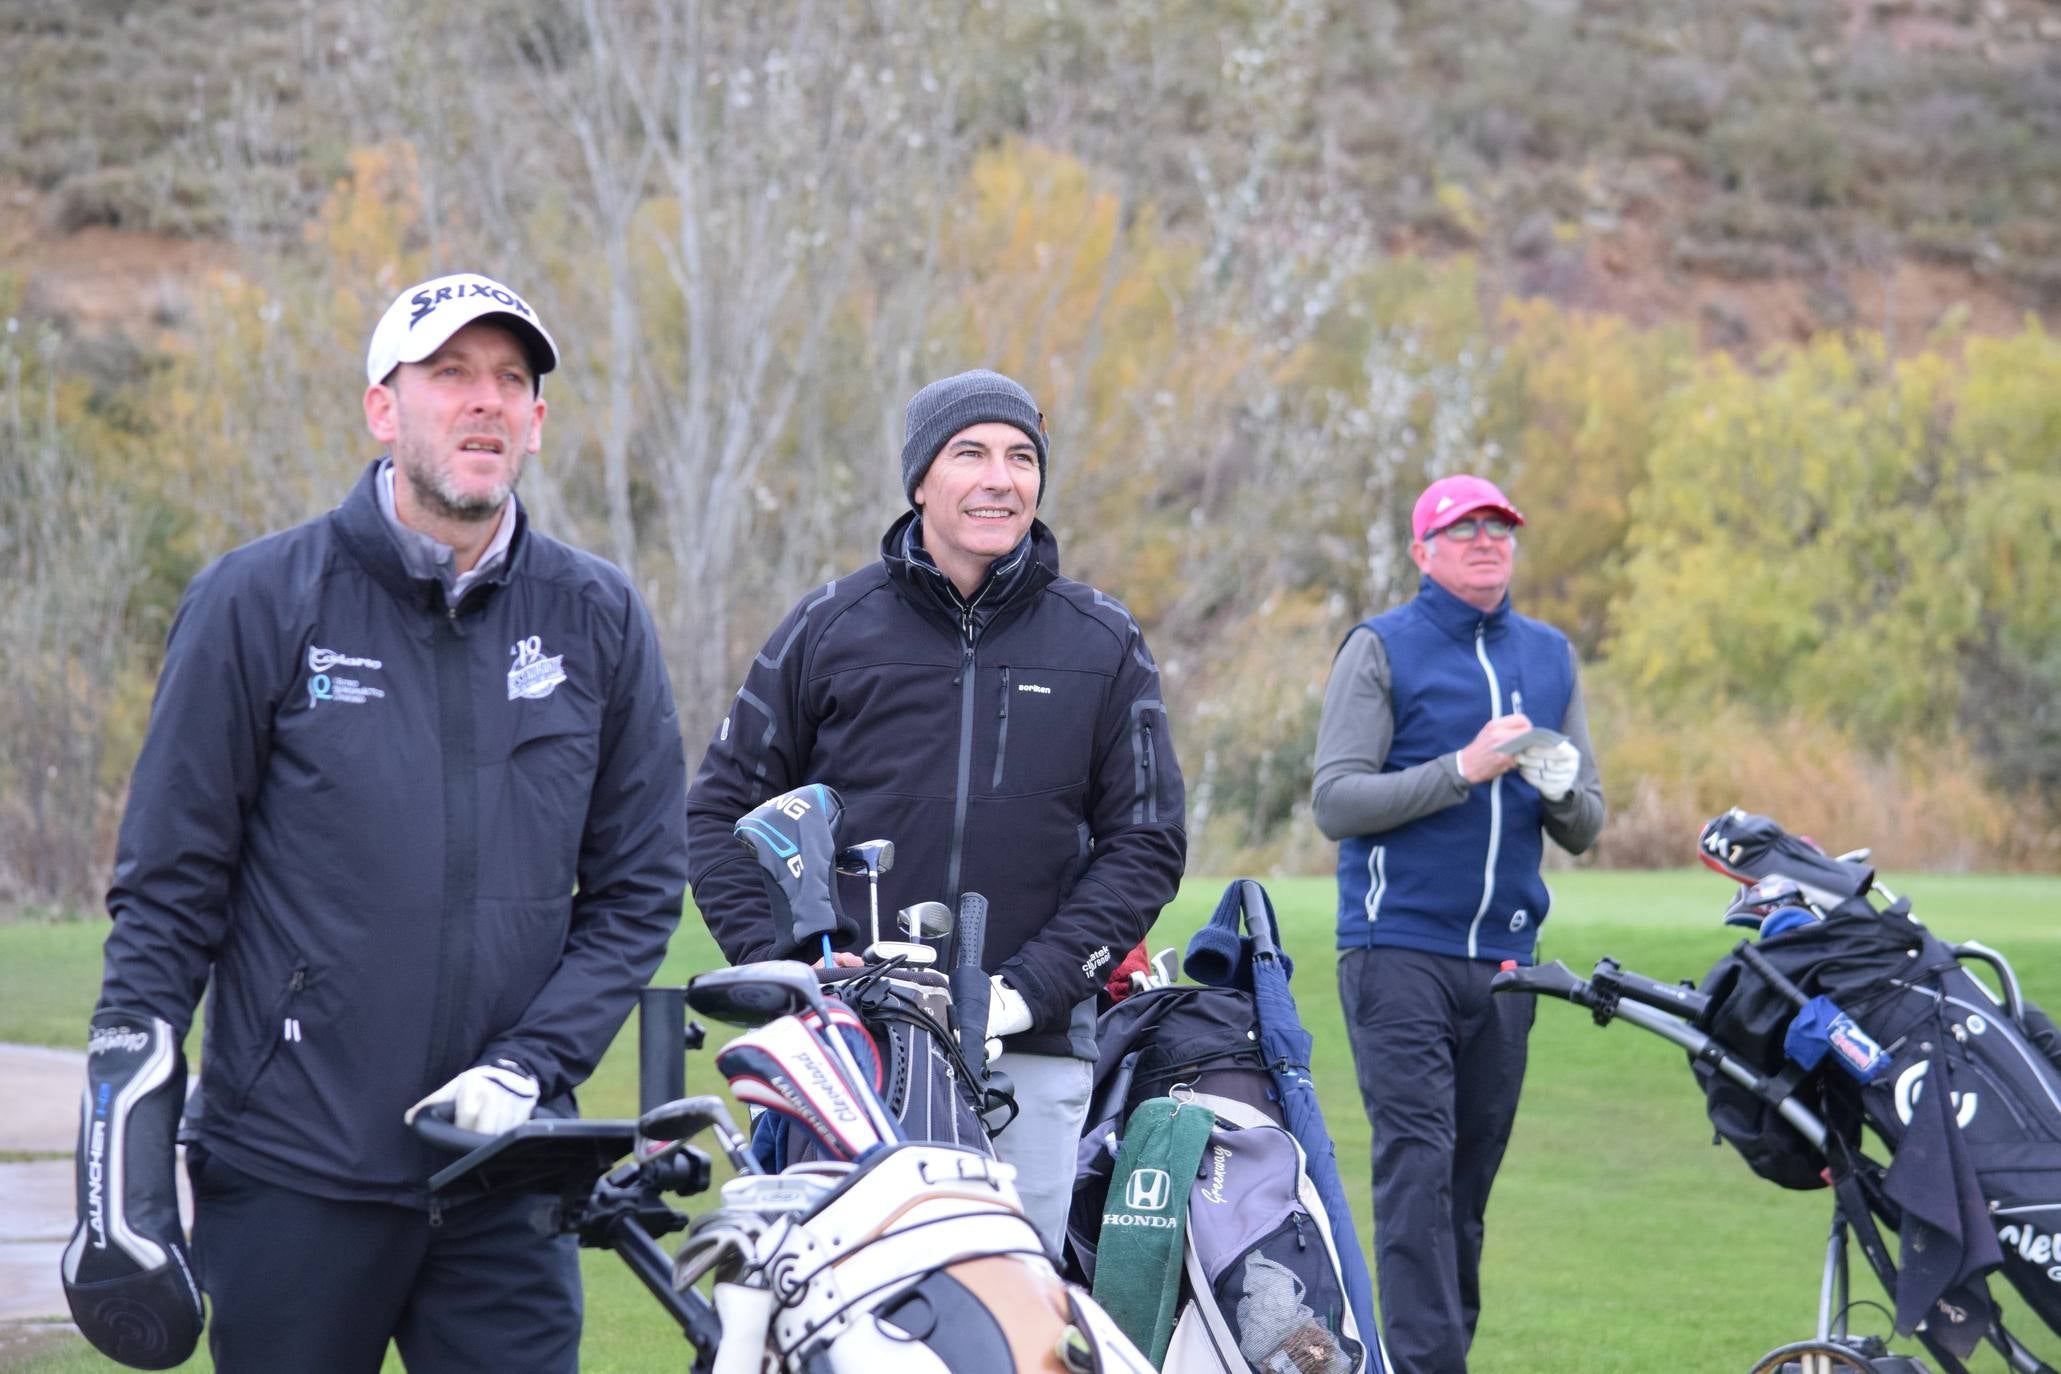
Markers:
(1619, 1237)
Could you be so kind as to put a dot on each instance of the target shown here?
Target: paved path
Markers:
(41, 1088)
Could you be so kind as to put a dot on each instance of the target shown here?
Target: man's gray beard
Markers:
(433, 492)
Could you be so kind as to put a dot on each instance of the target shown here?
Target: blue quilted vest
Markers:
(1463, 880)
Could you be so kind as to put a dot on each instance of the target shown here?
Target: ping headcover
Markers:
(794, 838)
(127, 1275)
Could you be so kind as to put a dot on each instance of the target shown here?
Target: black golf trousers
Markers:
(296, 1282)
(1440, 1062)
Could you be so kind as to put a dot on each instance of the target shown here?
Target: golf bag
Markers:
(918, 1260)
(1872, 1019)
(1254, 1268)
(921, 1076)
(907, 1011)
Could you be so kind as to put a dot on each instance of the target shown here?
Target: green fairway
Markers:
(1618, 1237)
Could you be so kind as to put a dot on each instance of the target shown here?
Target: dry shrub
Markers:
(1916, 807)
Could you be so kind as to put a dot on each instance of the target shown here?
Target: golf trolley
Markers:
(885, 1249)
(1847, 1014)
(893, 1236)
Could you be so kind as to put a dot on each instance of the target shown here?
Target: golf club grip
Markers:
(1777, 980)
(969, 981)
(1258, 920)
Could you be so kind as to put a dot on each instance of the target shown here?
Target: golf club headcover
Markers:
(794, 838)
(784, 1066)
(127, 1276)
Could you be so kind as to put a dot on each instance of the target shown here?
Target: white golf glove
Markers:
(1550, 768)
(486, 1098)
(1008, 1013)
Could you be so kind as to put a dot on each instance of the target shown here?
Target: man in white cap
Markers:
(412, 798)
(1453, 739)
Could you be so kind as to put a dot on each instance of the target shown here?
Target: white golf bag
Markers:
(917, 1261)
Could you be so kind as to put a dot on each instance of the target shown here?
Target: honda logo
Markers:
(1148, 1190)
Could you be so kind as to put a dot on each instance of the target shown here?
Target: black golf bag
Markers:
(1963, 1085)
(906, 1010)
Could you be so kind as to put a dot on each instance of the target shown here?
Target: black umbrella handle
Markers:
(1259, 920)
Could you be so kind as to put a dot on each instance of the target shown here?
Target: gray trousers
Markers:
(1052, 1102)
(1440, 1062)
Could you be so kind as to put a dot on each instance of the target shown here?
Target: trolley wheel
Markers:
(1865, 1356)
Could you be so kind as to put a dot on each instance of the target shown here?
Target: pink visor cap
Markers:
(1455, 498)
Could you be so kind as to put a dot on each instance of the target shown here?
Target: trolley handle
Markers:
(2007, 978)
(1544, 980)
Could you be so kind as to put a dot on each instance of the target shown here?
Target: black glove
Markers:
(127, 1276)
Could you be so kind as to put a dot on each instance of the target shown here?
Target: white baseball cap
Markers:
(423, 316)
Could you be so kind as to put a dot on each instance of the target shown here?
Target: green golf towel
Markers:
(1138, 1260)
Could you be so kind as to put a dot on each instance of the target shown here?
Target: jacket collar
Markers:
(1455, 616)
(362, 527)
(1010, 580)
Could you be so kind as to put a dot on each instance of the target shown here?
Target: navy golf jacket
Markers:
(404, 838)
(1016, 746)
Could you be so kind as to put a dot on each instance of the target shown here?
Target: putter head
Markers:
(753, 994)
(685, 1118)
(1160, 971)
(925, 920)
(869, 858)
(880, 951)
(1756, 899)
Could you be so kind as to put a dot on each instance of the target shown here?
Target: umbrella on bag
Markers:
(1254, 963)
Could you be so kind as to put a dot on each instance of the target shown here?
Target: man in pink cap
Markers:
(1453, 740)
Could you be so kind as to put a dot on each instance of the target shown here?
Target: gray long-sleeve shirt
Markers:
(1350, 795)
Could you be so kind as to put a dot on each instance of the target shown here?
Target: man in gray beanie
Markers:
(1001, 723)
(947, 406)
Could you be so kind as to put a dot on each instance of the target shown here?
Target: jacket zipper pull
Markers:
(1004, 712)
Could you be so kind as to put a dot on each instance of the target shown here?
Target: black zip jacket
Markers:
(404, 838)
(1012, 744)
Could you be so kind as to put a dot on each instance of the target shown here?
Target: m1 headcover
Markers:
(126, 1274)
(794, 838)
(1746, 848)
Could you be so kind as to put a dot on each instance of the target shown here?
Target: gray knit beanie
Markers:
(945, 407)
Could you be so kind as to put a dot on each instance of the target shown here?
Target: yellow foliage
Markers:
(1796, 542)
(1067, 286)
(1579, 399)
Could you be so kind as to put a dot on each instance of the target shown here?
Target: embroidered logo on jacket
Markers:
(534, 676)
(326, 684)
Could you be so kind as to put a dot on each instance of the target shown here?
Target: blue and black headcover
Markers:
(794, 838)
(126, 1273)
